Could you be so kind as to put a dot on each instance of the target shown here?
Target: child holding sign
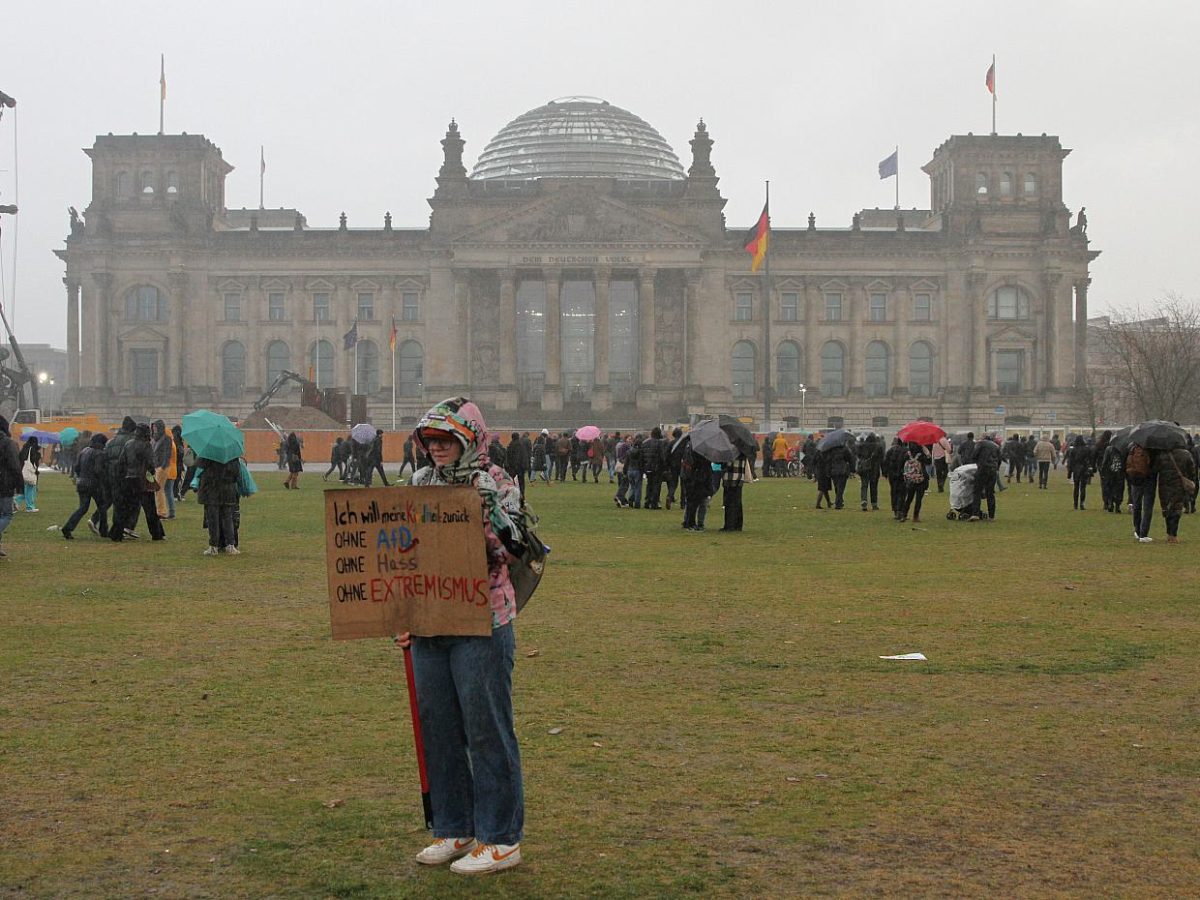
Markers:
(464, 684)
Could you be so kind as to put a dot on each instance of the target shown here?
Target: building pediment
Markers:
(143, 334)
(1013, 333)
(583, 218)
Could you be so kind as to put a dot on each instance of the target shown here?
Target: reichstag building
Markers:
(579, 271)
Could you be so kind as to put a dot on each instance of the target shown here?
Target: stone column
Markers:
(89, 336)
(980, 364)
(108, 370)
(72, 333)
(810, 365)
(462, 306)
(507, 397)
(647, 393)
(856, 307)
(181, 330)
(1081, 313)
(692, 306)
(552, 394)
(601, 320)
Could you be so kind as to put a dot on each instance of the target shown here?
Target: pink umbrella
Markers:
(588, 433)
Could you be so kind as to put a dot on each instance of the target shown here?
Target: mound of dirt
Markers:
(291, 418)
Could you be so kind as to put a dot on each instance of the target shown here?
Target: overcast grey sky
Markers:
(351, 99)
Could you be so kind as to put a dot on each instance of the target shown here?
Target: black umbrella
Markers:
(712, 443)
(836, 438)
(739, 435)
(1120, 439)
(1159, 435)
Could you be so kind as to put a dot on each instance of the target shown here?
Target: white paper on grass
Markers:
(905, 656)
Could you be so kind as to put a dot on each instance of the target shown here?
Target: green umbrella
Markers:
(68, 435)
(213, 436)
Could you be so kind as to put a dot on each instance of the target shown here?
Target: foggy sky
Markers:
(350, 101)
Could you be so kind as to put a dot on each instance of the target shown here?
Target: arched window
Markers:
(146, 182)
(787, 369)
(233, 369)
(1006, 184)
(122, 186)
(320, 357)
(981, 187)
(145, 303)
(878, 381)
(279, 358)
(920, 370)
(411, 369)
(833, 370)
(368, 367)
(1008, 302)
(172, 182)
(1030, 184)
(744, 370)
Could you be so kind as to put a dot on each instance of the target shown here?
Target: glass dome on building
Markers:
(578, 137)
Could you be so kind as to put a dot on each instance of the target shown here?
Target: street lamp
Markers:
(803, 405)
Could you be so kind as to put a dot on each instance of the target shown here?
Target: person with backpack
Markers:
(915, 480)
(870, 461)
(1079, 464)
(1176, 471)
(1143, 485)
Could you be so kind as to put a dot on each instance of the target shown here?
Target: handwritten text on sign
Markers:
(406, 559)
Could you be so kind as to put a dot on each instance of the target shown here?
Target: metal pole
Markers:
(393, 386)
(897, 177)
(993, 94)
(767, 316)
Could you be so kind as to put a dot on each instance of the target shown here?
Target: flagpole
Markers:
(767, 316)
(993, 95)
(355, 327)
(262, 170)
(392, 342)
(162, 89)
(897, 177)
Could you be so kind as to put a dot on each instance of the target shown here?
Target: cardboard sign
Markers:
(406, 559)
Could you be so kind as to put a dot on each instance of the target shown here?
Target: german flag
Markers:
(757, 238)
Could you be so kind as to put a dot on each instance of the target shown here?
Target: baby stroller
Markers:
(962, 492)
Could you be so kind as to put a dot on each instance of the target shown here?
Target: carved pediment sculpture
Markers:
(578, 219)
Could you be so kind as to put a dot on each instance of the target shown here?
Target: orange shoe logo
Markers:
(497, 856)
(458, 845)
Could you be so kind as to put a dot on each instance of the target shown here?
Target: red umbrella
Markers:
(923, 433)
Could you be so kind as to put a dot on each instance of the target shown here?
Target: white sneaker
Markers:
(488, 858)
(232, 550)
(132, 535)
(445, 849)
(1146, 540)
(211, 551)
(33, 509)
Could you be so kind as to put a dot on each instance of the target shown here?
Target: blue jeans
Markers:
(1141, 498)
(464, 693)
(634, 477)
(6, 514)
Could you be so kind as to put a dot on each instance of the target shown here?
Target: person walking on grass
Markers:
(892, 469)
(1176, 471)
(916, 480)
(870, 462)
(138, 484)
(337, 459)
(697, 475)
(653, 452)
(10, 479)
(595, 459)
(841, 461)
(218, 494)
(464, 684)
(89, 486)
(516, 462)
(31, 460)
(1079, 465)
(824, 479)
(1043, 452)
(295, 463)
(985, 455)
(633, 471)
(410, 461)
(164, 470)
(734, 474)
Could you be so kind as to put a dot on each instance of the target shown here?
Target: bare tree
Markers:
(1155, 359)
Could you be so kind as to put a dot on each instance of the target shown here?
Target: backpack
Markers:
(1137, 464)
(1115, 465)
(914, 472)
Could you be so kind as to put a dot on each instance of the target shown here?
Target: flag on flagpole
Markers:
(890, 166)
(757, 239)
(350, 338)
(262, 162)
(990, 80)
(392, 336)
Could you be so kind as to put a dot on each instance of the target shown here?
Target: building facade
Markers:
(580, 272)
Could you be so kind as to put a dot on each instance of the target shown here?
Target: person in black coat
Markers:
(768, 456)
(697, 472)
(870, 464)
(653, 451)
(1080, 464)
(375, 459)
(840, 461)
(295, 462)
(916, 480)
(824, 481)
(88, 473)
(11, 480)
(409, 460)
(892, 468)
(137, 485)
(673, 462)
(516, 461)
(986, 455)
(218, 494)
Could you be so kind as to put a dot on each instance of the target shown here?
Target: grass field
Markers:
(174, 725)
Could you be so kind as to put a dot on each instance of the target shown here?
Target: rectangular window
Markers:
(923, 307)
(744, 307)
(789, 306)
(321, 306)
(366, 305)
(144, 367)
(233, 307)
(1009, 364)
(833, 307)
(410, 308)
(879, 307)
(276, 311)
